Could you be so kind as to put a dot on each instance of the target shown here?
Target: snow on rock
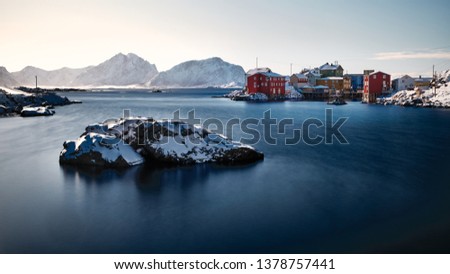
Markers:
(212, 72)
(130, 141)
(99, 150)
(292, 94)
(14, 101)
(422, 97)
(234, 93)
(36, 111)
(258, 97)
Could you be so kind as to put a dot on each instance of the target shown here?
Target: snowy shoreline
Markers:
(429, 97)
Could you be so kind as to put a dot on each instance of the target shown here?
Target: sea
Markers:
(385, 189)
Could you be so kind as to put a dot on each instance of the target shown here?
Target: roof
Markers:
(423, 79)
(306, 86)
(312, 73)
(258, 70)
(271, 74)
(332, 78)
(329, 67)
(406, 76)
(376, 72)
(267, 74)
(321, 87)
(299, 75)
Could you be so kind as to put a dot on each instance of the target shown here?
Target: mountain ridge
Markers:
(127, 70)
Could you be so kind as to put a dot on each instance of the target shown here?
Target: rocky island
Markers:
(133, 141)
(26, 103)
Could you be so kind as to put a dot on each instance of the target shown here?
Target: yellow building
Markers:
(333, 83)
(422, 82)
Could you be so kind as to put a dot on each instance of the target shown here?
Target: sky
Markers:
(397, 37)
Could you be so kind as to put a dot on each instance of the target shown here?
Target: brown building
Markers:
(347, 83)
(298, 80)
(333, 83)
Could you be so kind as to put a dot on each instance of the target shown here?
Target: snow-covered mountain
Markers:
(58, 78)
(120, 70)
(201, 73)
(131, 70)
(6, 79)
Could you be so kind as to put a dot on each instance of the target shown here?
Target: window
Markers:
(375, 76)
(254, 77)
(384, 76)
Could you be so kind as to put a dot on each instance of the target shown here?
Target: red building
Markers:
(263, 80)
(375, 85)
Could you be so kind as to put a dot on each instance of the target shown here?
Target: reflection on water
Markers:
(148, 178)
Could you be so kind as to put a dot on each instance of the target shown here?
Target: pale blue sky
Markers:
(393, 36)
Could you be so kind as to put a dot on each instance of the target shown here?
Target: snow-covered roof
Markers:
(423, 79)
(312, 73)
(258, 70)
(306, 86)
(263, 71)
(321, 87)
(332, 78)
(271, 74)
(329, 67)
(300, 75)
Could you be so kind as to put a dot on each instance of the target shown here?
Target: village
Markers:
(326, 82)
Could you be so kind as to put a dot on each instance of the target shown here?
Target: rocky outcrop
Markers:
(133, 141)
(99, 150)
(36, 111)
(14, 103)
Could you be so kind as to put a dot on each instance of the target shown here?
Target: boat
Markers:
(241, 97)
(337, 101)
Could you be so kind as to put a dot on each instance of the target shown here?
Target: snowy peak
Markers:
(6, 79)
(120, 70)
(201, 73)
(132, 70)
(59, 78)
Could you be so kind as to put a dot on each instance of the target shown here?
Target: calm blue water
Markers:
(386, 191)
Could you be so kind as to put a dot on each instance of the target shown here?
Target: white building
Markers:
(405, 82)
